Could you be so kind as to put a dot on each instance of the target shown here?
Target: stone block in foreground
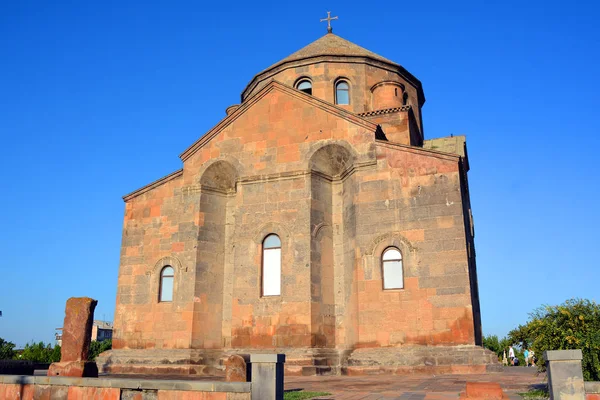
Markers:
(565, 376)
(483, 391)
(77, 329)
(77, 333)
(267, 376)
(235, 369)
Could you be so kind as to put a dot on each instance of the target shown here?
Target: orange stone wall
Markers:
(413, 203)
(158, 224)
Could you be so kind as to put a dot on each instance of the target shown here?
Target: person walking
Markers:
(526, 354)
(511, 355)
(532, 357)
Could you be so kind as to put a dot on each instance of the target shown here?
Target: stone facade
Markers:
(338, 184)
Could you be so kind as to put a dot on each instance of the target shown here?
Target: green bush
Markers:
(98, 347)
(575, 324)
(41, 353)
(7, 350)
(498, 346)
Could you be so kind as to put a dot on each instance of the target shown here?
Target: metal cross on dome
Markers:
(329, 19)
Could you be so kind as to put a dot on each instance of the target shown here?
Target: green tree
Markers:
(98, 347)
(55, 356)
(492, 343)
(575, 324)
(7, 350)
(41, 353)
(498, 346)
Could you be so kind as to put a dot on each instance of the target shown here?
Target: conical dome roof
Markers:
(332, 45)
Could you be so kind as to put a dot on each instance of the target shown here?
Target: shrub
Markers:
(575, 324)
(498, 346)
(41, 353)
(7, 350)
(98, 347)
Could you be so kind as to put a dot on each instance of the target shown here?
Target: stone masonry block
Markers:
(77, 328)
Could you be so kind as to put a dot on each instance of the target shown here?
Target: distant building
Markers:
(102, 330)
(58, 336)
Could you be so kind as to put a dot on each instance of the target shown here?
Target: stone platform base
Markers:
(421, 359)
(306, 362)
(75, 369)
(162, 362)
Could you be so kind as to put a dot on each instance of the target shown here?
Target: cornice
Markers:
(253, 179)
(383, 83)
(224, 123)
(384, 111)
(419, 150)
(153, 185)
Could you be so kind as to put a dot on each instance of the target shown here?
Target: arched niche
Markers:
(220, 175)
(332, 160)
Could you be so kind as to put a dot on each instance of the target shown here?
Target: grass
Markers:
(299, 395)
(535, 394)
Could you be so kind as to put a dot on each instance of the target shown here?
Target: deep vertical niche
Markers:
(217, 189)
(328, 165)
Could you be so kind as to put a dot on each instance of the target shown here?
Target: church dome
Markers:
(331, 49)
(331, 45)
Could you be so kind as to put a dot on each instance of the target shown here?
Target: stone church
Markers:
(313, 220)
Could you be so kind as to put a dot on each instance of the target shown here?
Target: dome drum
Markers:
(386, 95)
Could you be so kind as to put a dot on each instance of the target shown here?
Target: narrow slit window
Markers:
(167, 276)
(342, 93)
(271, 268)
(393, 274)
(305, 86)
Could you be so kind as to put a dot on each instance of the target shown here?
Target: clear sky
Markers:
(99, 98)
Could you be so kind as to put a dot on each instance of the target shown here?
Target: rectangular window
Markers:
(392, 275)
(343, 97)
(272, 272)
(166, 289)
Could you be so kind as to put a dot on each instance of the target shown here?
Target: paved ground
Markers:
(513, 380)
(414, 387)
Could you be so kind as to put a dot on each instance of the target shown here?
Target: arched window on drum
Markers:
(304, 85)
(342, 93)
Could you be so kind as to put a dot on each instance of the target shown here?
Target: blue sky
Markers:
(99, 98)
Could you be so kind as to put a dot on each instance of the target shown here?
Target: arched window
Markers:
(342, 93)
(391, 264)
(271, 268)
(305, 86)
(405, 99)
(166, 284)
